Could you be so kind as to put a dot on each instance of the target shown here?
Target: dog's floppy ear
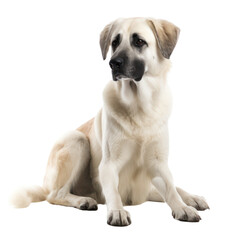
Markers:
(105, 38)
(166, 35)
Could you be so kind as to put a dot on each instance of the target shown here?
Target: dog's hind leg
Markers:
(69, 159)
(191, 200)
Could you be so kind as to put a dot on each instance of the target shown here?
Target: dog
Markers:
(120, 157)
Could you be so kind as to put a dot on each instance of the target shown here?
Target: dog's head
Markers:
(138, 46)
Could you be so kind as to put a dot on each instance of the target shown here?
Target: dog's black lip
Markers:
(138, 79)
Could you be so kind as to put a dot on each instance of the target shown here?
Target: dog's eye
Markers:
(115, 43)
(139, 43)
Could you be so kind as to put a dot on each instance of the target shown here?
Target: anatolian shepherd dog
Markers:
(120, 157)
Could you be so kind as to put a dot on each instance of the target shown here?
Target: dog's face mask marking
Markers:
(138, 45)
(122, 63)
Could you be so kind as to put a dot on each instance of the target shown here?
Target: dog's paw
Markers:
(88, 204)
(197, 202)
(186, 214)
(119, 218)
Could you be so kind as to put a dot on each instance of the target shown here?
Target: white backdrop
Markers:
(51, 80)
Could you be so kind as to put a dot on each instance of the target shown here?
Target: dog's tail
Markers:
(23, 197)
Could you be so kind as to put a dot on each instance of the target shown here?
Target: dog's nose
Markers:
(116, 63)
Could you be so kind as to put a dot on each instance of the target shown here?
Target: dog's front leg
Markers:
(163, 181)
(109, 179)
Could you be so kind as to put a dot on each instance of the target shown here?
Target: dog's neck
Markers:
(141, 95)
(128, 99)
(128, 90)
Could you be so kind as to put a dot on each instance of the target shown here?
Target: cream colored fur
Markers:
(121, 157)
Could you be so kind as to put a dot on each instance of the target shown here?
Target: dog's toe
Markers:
(88, 204)
(197, 202)
(119, 218)
(186, 214)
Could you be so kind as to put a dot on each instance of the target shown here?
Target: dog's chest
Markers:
(141, 125)
(134, 179)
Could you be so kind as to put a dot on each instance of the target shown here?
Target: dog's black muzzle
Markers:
(122, 67)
